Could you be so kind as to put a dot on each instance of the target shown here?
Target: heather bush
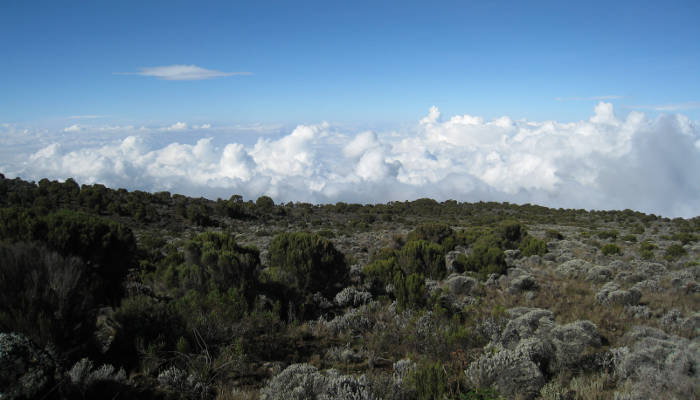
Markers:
(674, 252)
(531, 246)
(438, 233)
(611, 249)
(311, 262)
(409, 291)
(422, 257)
(48, 298)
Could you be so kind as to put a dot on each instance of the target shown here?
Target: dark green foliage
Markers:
(430, 382)
(480, 394)
(422, 257)
(611, 249)
(646, 250)
(438, 233)
(531, 246)
(554, 235)
(611, 234)
(145, 322)
(264, 205)
(312, 262)
(486, 258)
(108, 246)
(409, 291)
(511, 233)
(629, 238)
(211, 261)
(48, 298)
(198, 214)
(684, 237)
(674, 252)
(381, 272)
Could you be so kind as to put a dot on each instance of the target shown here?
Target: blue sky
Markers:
(532, 100)
(355, 62)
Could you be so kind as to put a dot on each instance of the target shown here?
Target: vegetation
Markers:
(116, 294)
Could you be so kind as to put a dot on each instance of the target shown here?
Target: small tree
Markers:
(310, 260)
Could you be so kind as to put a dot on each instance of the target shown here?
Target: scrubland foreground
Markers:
(115, 294)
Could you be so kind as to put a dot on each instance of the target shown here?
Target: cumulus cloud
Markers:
(178, 126)
(604, 162)
(72, 128)
(181, 73)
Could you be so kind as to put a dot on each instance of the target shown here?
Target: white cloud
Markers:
(605, 162)
(178, 126)
(181, 73)
(72, 128)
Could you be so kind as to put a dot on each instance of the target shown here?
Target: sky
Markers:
(589, 105)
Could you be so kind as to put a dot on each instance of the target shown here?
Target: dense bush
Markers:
(531, 246)
(312, 262)
(430, 382)
(674, 252)
(422, 257)
(380, 272)
(438, 233)
(511, 232)
(486, 258)
(409, 291)
(108, 246)
(611, 234)
(611, 249)
(145, 322)
(48, 298)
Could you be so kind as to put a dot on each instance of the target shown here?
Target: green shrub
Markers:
(629, 238)
(531, 246)
(512, 233)
(430, 382)
(674, 252)
(311, 261)
(422, 257)
(409, 291)
(684, 237)
(554, 235)
(480, 394)
(646, 254)
(380, 272)
(145, 322)
(486, 259)
(438, 233)
(108, 246)
(638, 229)
(48, 298)
(611, 249)
(611, 234)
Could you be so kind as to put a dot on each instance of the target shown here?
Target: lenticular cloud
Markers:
(605, 162)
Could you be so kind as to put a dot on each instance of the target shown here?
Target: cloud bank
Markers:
(605, 162)
(182, 73)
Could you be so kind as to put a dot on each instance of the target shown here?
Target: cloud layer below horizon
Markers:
(606, 162)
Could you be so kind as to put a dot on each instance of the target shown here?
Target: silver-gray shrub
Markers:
(352, 297)
(306, 382)
(658, 365)
(83, 374)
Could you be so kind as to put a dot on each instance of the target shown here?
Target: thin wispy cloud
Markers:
(182, 73)
(591, 98)
(688, 105)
